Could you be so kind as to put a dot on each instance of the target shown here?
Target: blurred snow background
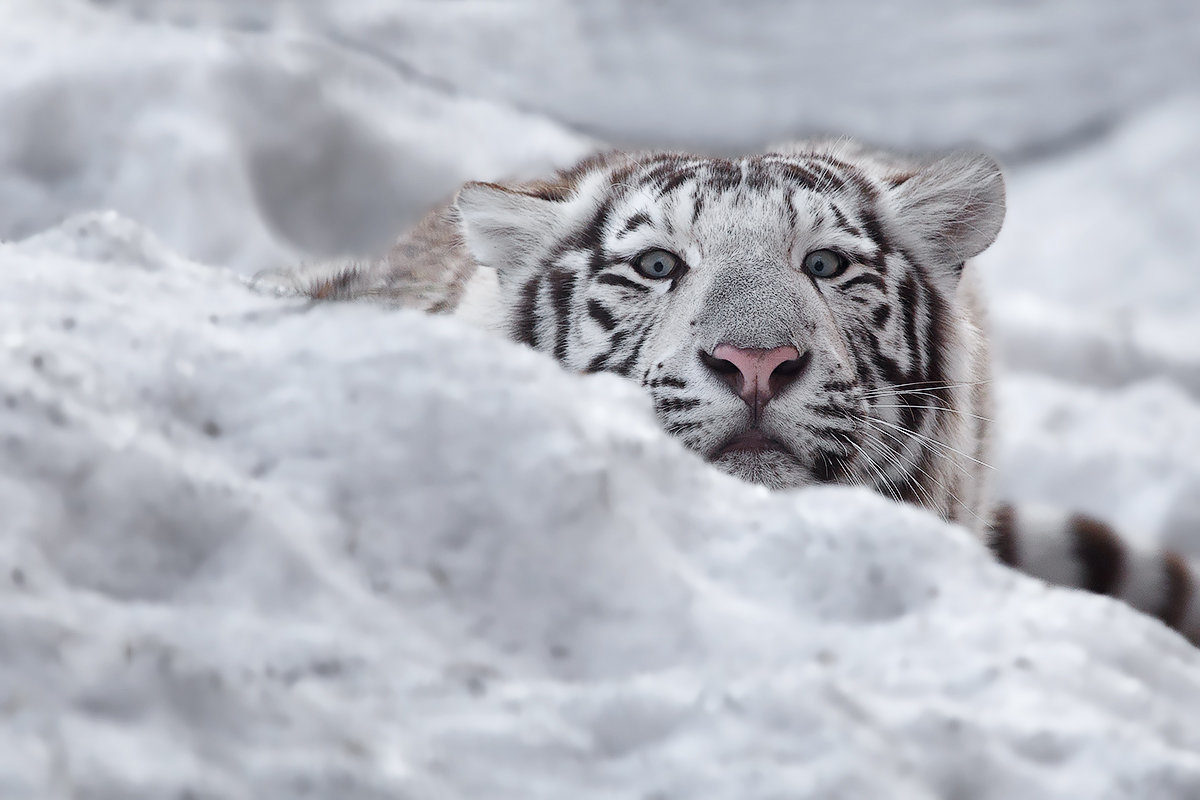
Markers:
(254, 550)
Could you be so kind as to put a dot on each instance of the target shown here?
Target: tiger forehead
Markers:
(817, 172)
(764, 195)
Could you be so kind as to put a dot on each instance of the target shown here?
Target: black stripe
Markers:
(862, 366)
(1002, 534)
(669, 381)
(626, 366)
(914, 488)
(843, 222)
(863, 183)
(865, 277)
(613, 279)
(889, 370)
(524, 321)
(908, 307)
(830, 467)
(667, 404)
(790, 208)
(841, 436)
(600, 362)
(562, 289)
(633, 223)
(757, 177)
(1179, 590)
(601, 314)
(852, 174)
(588, 239)
(828, 410)
(881, 315)
(798, 175)
(675, 181)
(874, 230)
(662, 170)
(828, 175)
(907, 491)
(1100, 553)
(936, 333)
(442, 306)
(722, 175)
(592, 238)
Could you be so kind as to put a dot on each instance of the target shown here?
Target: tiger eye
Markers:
(657, 264)
(824, 264)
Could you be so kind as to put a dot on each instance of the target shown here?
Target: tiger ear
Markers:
(955, 205)
(503, 227)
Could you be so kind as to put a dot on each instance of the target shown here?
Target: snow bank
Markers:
(697, 74)
(260, 549)
(256, 549)
(237, 148)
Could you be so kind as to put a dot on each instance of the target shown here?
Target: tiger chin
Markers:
(800, 316)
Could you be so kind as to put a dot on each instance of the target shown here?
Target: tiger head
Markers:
(793, 315)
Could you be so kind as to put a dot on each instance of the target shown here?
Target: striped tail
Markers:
(1079, 551)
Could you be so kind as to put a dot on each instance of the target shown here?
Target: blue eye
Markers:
(824, 264)
(657, 264)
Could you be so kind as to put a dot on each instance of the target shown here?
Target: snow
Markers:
(261, 549)
(692, 74)
(236, 148)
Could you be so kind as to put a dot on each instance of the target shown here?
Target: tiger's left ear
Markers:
(955, 205)
(505, 228)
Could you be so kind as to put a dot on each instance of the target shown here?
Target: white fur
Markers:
(481, 305)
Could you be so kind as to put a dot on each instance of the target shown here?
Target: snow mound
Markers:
(257, 548)
(237, 148)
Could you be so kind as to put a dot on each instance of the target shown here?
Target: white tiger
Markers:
(807, 315)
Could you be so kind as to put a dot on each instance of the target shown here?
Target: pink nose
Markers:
(757, 375)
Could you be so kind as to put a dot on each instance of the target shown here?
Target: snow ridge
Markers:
(258, 548)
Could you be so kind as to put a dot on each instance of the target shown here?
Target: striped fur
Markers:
(894, 393)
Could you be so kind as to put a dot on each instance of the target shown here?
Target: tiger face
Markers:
(793, 315)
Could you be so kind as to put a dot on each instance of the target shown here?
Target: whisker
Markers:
(941, 486)
(894, 459)
(915, 437)
(924, 385)
(882, 483)
(941, 408)
(930, 440)
(936, 398)
(881, 480)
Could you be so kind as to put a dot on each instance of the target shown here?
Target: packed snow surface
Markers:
(259, 549)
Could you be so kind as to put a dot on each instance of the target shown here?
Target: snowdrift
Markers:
(256, 548)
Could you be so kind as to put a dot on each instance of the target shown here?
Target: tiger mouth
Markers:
(751, 441)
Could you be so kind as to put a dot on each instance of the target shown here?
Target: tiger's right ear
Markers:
(503, 228)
